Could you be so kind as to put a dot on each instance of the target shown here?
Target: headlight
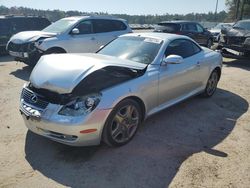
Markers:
(80, 106)
(39, 42)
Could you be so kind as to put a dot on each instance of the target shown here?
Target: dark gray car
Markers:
(191, 29)
(236, 39)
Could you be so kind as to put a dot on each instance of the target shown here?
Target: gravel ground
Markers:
(197, 143)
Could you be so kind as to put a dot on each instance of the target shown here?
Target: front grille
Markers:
(236, 40)
(52, 97)
(17, 47)
(33, 99)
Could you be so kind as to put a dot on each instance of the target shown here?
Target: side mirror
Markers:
(75, 31)
(172, 59)
(101, 47)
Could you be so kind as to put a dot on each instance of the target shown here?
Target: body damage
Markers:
(30, 36)
(70, 94)
(237, 39)
(93, 73)
(24, 43)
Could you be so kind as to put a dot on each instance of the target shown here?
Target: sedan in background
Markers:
(83, 99)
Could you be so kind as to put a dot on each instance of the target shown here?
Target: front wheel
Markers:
(122, 123)
(209, 43)
(211, 84)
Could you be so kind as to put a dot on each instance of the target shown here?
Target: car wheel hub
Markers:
(125, 123)
(212, 83)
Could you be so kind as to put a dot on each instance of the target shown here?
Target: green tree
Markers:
(238, 9)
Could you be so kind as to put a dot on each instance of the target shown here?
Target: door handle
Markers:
(198, 64)
(93, 38)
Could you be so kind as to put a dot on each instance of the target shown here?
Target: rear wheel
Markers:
(122, 124)
(211, 84)
(209, 43)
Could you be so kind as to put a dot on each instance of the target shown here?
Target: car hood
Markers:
(61, 73)
(29, 36)
(214, 30)
(234, 32)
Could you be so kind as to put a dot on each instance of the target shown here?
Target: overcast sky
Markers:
(124, 6)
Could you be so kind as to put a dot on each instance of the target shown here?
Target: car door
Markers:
(83, 42)
(201, 34)
(179, 80)
(104, 31)
(191, 30)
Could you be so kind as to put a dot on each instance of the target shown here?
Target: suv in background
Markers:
(10, 25)
(191, 29)
(82, 34)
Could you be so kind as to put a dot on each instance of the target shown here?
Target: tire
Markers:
(209, 43)
(211, 84)
(54, 51)
(122, 123)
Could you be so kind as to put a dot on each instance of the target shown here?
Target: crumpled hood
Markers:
(61, 73)
(29, 36)
(214, 30)
(234, 32)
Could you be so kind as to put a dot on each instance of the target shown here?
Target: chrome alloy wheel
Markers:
(125, 123)
(212, 83)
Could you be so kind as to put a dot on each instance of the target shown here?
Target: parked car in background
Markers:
(215, 31)
(83, 99)
(10, 25)
(68, 35)
(236, 39)
(191, 29)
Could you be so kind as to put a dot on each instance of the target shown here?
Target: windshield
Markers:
(242, 25)
(60, 26)
(139, 49)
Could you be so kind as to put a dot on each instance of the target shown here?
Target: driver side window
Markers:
(199, 29)
(182, 47)
(85, 27)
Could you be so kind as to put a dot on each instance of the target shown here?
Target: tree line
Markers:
(238, 9)
(54, 15)
(223, 16)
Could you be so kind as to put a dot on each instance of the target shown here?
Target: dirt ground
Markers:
(197, 143)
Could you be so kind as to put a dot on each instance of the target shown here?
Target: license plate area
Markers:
(19, 54)
(16, 54)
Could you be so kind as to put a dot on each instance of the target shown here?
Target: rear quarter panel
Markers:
(211, 61)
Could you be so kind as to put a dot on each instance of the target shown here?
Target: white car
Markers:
(69, 35)
(217, 30)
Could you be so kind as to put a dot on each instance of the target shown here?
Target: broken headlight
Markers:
(81, 105)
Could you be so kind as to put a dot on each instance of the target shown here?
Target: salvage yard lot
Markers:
(197, 143)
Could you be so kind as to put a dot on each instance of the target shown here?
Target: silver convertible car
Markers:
(83, 99)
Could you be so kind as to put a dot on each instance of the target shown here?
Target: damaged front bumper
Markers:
(26, 52)
(42, 118)
(235, 45)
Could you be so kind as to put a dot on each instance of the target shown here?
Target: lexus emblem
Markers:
(33, 98)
